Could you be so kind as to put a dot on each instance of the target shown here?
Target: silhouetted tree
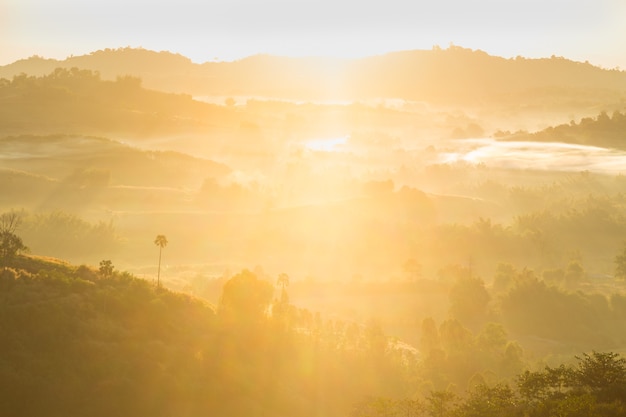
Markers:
(245, 298)
(440, 403)
(429, 340)
(283, 281)
(620, 264)
(486, 401)
(604, 374)
(10, 243)
(10, 221)
(161, 242)
(469, 300)
(106, 268)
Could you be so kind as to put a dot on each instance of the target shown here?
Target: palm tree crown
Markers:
(160, 241)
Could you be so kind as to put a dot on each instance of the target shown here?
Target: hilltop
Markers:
(102, 342)
(454, 76)
(79, 101)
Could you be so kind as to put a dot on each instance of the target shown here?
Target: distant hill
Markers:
(85, 162)
(79, 101)
(603, 130)
(455, 75)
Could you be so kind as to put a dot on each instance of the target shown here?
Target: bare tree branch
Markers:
(10, 221)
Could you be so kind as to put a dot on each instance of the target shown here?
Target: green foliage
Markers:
(454, 356)
(10, 243)
(440, 403)
(532, 307)
(120, 346)
(245, 299)
(62, 234)
(429, 340)
(595, 387)
(10, 246)
(603, 130)
(469, 300)
(485, 401)
(604, 374)
(386, 407)
(537, 387)
(80, 345)
(79, 100)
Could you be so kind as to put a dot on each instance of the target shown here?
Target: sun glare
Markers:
(377, 236)
(327, 145)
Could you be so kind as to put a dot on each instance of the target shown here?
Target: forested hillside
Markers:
(602, 130)
(74, 100)
(103, 342)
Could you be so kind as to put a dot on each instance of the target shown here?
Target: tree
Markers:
(10, 243)
(604, 374)
(574, 273)
(245, 299)
(106, 268)
(440, 403)
(485, 401)
(469, 300)
(429, 340)
(376, 340)
(454, 336)
(10, 221)
(620, 264)
(283, 281)
(492, 338)
(161, 242)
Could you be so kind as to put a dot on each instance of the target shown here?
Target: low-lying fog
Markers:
(335, 204)
(534, 155)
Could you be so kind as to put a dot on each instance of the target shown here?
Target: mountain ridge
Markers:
(454, 75)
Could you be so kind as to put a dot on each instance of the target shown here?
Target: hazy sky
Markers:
(593, 30)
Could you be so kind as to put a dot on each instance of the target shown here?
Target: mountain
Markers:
(455, 76)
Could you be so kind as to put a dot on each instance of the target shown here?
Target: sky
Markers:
(226, 30)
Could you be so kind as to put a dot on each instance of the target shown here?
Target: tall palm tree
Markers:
(161, 242)
(283, 280)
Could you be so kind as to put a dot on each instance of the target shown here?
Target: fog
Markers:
(547, 156)
(314, 257)
(500, 154)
